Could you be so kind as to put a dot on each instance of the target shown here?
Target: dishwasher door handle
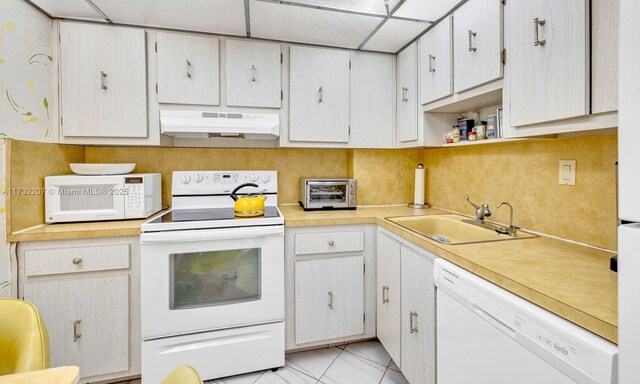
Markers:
(499, 324)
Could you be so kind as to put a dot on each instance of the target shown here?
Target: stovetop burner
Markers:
(209, 214)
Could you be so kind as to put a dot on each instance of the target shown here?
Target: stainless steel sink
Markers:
(454, 229)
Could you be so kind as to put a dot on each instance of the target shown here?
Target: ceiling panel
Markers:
(73, 9)
(307, 25)
(215, 16)
(368, 6)
(394, 34)
(425, 9)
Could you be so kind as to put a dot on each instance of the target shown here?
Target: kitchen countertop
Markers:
(535, 269)
(568, 279)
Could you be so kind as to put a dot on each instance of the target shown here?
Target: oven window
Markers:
(86, 197)
(328, 193)
(204, 279)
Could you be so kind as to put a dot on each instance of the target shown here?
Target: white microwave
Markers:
(72, 198)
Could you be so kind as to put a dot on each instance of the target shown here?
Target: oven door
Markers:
(201, 280)
(327, 194)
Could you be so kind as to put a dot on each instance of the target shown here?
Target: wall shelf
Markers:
(494, 141)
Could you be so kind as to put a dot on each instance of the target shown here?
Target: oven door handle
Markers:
(210, 234)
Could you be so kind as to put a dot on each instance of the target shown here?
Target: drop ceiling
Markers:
(373, 25)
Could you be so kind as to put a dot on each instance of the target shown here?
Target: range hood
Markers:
(203, 124)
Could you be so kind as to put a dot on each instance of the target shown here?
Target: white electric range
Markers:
(212, 285)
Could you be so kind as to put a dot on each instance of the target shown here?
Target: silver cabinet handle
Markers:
(331, 243)
(320, 95)
(536, 24)
(412, 328)
(405, 96)
(77, 260)
(103, 80)
(330, 299)
(385, 294)
(253, 74)
(76, 329)
(471, 36)
(432, 67)
(188, 69)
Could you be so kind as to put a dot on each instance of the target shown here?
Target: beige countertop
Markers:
(570, 280)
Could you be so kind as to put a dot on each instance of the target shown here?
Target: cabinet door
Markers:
(435, 62)
(329, 298)
(371, 83)
(477, 33)
(418, 321)
(388, 290)
(407, 95)
(103, 82)
(87, 320)
(319, 95)
(548, 78)
(253, 74)
(188, 69)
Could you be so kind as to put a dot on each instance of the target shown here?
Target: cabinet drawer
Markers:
(73, 260)
(333, 242)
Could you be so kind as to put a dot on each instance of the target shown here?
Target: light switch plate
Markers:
(567, 172)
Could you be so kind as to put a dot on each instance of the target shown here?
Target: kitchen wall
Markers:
(526, 175)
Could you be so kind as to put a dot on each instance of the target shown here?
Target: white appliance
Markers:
(71, 198)
(212, 285)
(203, 124)
(486, 335)
(629, 192)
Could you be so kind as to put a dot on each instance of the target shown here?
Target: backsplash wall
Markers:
(525, 174)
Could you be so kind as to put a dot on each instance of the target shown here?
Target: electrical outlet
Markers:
(567, 172)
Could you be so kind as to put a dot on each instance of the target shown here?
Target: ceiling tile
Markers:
(312, 26)
(394, 34)
(73, 9)
(425, 9)
(368, 6)
(218, 16)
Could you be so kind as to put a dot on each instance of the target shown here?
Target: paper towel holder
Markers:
(424, 205)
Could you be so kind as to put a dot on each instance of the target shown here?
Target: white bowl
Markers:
(102, 168)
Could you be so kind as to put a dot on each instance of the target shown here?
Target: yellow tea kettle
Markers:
(248, 206)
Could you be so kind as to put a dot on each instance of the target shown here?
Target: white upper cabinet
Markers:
(547, 60)
(477, 44)
(188, 69)
(372, 82)
(103, 82)
(435, 62)
(253, 74)
(407, 95)
(319, 95)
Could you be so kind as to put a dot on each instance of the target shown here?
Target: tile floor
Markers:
(358, 363)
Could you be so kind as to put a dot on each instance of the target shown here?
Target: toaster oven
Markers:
(318, 194)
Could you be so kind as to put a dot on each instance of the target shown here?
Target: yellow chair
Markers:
(184, 374)
(24, 341)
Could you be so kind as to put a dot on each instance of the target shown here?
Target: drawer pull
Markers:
(412, 328)
(76, 330)
(536, 24)
(330, 299)
(77, 260)
(385, 294)
(331, 243)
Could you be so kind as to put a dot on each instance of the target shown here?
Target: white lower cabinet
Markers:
(406, 307)
(87, 292)
(329, 285)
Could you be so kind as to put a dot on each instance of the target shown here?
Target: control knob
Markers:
(198, 178)
(265, 178)
(254, 177)
(185, 179)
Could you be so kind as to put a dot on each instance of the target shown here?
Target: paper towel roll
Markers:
(418, 192)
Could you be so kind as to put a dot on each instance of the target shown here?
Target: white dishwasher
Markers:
(486, 335)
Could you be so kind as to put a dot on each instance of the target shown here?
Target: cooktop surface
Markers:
(209, 214)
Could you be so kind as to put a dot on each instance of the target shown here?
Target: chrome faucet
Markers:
(512, 230)
(482, 211)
